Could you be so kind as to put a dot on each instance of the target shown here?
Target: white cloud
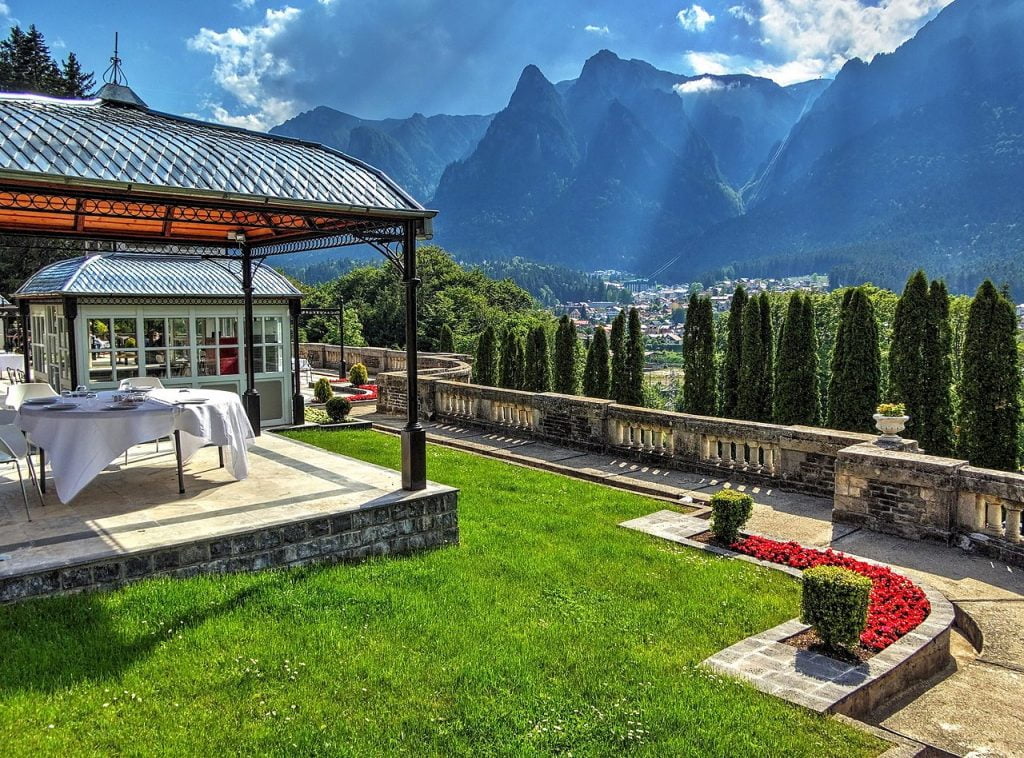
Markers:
(703, 84)
(722, 63)
(837, 30)
(742, 13)
(601, 31)
(244, 61)
(814, 38)
(695, 18)
(244, 4)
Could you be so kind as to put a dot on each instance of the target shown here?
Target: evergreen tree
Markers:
(520, 363)
(632, 389)
(538, 362)
(699, 358)
(768, 371)
(446, 340)
(990, 391)
(750, 403)
(733, 353)
(936, 435)
(509, 371)
(856, 375)
(485, 363)
(596, 378)
(618, 348)
(566, 377)
(27, 66)
(796, 375)
(907, 352)
(76, 82)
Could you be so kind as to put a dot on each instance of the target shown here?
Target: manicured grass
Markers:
(549, 630)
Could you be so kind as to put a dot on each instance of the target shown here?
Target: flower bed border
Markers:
(809, 679)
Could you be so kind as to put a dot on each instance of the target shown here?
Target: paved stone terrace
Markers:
(298, 505)
(976, 709)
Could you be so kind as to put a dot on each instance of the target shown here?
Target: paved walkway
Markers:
(977, 709)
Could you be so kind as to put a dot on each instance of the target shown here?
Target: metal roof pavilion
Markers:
(135, 275)
(109, 169)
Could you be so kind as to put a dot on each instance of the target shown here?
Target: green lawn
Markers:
(550, 630)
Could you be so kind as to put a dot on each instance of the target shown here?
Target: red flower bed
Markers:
(369, 392)
(897, 605)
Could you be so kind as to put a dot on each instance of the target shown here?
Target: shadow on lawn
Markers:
(54, 643)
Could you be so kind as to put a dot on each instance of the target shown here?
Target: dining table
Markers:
(82, 434)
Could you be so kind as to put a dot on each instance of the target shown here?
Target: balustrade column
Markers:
(1013, 523)
(979, 513)
(995, 516)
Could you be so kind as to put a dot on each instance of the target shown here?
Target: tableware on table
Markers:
(41, 401)
(59, 407)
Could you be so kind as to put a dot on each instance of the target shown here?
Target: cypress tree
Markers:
(618, 348)
(538, 362)
(907, 368)
(768, 370)
(699, 358)
(856, 360)
(596, 379)
(796, 375)
(520, 363)
(936, 435)
(508, 374)
(632, 389)
(485, 363)
(990, 391)
(750, 393)
(733, 353)
(566, 378)
(446, 340)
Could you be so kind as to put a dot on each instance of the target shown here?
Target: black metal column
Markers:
(250, 398)
(70, 314)
(26, 342)
(414, 437)
(298, 401)
(342, 366)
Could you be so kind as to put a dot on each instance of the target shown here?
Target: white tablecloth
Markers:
(80, 443)
(11, 360)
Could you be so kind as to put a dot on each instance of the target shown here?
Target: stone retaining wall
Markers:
(388, 529)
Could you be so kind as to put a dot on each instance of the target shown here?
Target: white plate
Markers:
(61, 407)
(42, 401)
(121, 407)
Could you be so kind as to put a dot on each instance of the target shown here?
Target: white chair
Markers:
(14, 447)
(19, 393)
(305, 371)
(140, 382)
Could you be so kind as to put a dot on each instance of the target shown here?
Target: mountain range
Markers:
(915, 158)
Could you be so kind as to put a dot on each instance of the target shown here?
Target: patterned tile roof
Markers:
(103, 140)
(149, 275)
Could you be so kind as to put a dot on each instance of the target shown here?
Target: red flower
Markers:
(896, 605)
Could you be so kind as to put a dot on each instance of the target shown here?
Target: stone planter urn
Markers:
(890, 427)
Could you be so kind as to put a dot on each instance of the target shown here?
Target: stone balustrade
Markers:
(899, 491)
(801, 458)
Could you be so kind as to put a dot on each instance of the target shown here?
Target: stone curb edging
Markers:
(809, 679)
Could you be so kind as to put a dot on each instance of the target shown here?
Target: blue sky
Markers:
(255, 63)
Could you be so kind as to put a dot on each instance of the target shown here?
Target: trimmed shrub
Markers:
(729, 512)
(835, 602)
(316, 416)
(358, 374)
(338, 408)
(322, 391)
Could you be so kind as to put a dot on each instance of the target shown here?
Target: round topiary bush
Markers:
(358, 374)
(729, 512)
(835, 602)
(338, 408)
(322, 391)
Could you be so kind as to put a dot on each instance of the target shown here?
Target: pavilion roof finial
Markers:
(116, 89)
(114, 74)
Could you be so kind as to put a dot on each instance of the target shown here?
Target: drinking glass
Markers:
(65, 396)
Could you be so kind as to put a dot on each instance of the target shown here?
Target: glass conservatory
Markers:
(100, 319)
